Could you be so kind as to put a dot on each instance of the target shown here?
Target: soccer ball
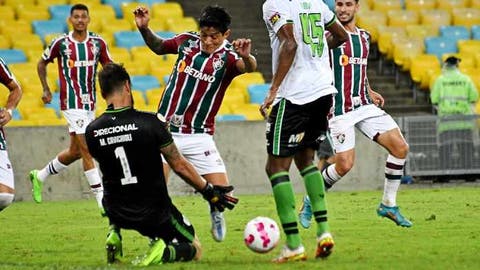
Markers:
(261, 234)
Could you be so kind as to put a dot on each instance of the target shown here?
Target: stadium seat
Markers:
(8, 13)
(470, 46)
(14, 3)
(455, 32)
(153, 95)
(370, 21)
(59, 12)
(117, 6)
(420, 67)
(435, 17)
(258, 92)
(475, 31)
(142, 54)
(13, 56)
(440, 45)
(31, 13)
(249, 111)
(165, 34)
(151, 2)
(164, 11)
(43, 28)
(157, 24)
(5, 43)
(475, 3)
(405, 52)
(387, 5)
(91, 4)
(402, 17)
(449, 5)
(421, 31)
(230, 117)
(417, 5)
(467, 61)
(127, 9)
(27, 42)
(144, 83)
(16, 115)
(12, 28)
(387, 34)
(102, 12)
(139, 98)
(128, 39)
(242, 81)
(115, 25)
(235, 96)
(182, 24)
(466, 16)
(120, 55)
(224, 109)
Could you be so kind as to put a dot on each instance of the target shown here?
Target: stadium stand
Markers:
(466, 16)
(387, 5)
(449, 5)
(230, 117)
(258, 92)
(59, 12)
(440, 46)
(44, 27)
(417, 5)
(144, 83)
(128, 39)
(13, 56)
(456, 32)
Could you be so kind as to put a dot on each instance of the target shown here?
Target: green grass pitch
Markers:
(445, 235)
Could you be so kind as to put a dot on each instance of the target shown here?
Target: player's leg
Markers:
(113, 244)
(7, 184)
(55, 166)
(385, 132)
(219, 226)
(285, 129)
(344, 143)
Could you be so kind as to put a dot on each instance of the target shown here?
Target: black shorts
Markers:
(176, 227)
(292, 127)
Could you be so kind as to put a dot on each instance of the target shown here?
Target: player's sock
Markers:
(53, 167)
(285, 201)
(316, 191)
(393, 175)
(179, 252)
(95, 182)
(331, 176)
(5, 200)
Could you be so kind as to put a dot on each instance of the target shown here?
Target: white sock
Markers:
(331, 175)
(393, 175)
(5, 200)
(95, 182)
(53, 167)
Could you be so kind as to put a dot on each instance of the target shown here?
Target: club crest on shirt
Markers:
(274, 18)
(80, 123)
(218, 63)
(67, 51)
(94, 49)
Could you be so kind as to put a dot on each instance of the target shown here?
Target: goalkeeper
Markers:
(127, 145)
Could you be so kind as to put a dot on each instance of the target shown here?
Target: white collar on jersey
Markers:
(70, 35)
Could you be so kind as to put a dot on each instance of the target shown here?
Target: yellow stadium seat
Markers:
(387, 5)
(27, 42)
(160, 69)
(31, 13)
(127, 10)
(154, 95)
(47, 3)
(475, 3)
(244, 80)
(135, 68)
(138, 98)
(224, 109)
(418, 5)
(157, 24)
(404, 52)
(250, 111)
(470, 46)
(21, 123)
(14, 3)
(436, 17)
(467, 61)
(234, 97)
(12, 28)
(91, 4)
(120, 55)
(142, 54)
(102, 12)
(114, 25)
(386, 37)
(422, 31)
(370, 20)
(420, 67)
(166, 10)
(5, 42)
(402, 17)
(179, 25)
(8, 13)
(466, 16)
(101, 106)
(449, 5)
(34, 53)
(146, 107)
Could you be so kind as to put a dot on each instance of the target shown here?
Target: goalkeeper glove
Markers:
(218, 197)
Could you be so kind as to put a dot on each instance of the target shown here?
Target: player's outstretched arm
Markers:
(243, 47)
(216, 195)
(153, 41)
(338, 35)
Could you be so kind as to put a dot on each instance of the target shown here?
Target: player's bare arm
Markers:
(338, 35)
(153, 41)
(376, 97)
(42, 75)
(288, 48)
(12, 102)
(243, 47)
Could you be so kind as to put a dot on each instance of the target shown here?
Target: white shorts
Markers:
(78, 120)
(201, 151)
(6, 171)
(370, 120)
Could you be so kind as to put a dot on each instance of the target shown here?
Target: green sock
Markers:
(316, 191)
(285, 201)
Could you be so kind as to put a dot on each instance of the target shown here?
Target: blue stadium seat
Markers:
(144, 82)
(258, 92)
(166, 78)
(475, 31)
(117, 6)
(456, 32)
(55, 103)
(230, 117)
(440, 45)
(45, 27)
(165, 34)
(59, 12)
(150, 2)
(16, 115)
(128, 39)
(13, 56)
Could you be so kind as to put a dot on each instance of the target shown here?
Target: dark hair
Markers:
(78, 7)
(216, 17)
(111, 78)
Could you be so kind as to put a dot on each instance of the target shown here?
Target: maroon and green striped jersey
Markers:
(349, 65)
(77, 68)
(197, 84)
(5, 78)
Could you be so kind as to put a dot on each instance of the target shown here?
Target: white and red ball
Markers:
(261, 234)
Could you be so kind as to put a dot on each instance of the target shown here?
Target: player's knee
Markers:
(343, 166)
(5, 200)
(401, 150)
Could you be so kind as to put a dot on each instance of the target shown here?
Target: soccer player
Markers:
(128, 145)
(207, 62)
(301, 94)
(7, 185)
(357, 105)
(78, 54)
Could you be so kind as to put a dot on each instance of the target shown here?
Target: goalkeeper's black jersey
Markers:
(126, 143)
